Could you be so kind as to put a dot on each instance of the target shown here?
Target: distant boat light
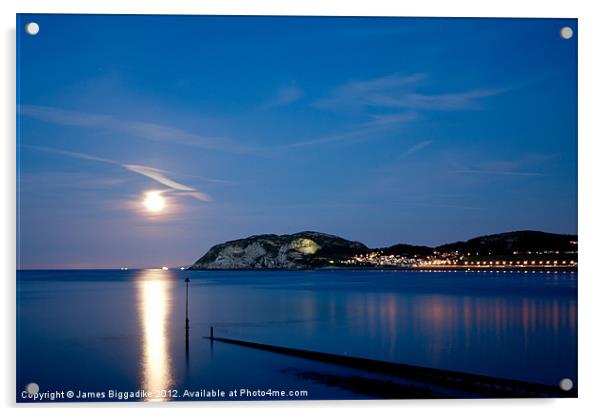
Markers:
(182, 268)
(164, 268)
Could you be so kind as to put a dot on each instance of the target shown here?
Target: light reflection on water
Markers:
(127, 328)
(442, 330)
(154, 313)
(513, 327)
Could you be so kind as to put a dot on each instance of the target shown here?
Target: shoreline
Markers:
(447, 268)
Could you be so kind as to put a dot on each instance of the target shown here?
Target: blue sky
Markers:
(382, 130)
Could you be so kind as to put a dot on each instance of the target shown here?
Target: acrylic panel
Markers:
(226, 208)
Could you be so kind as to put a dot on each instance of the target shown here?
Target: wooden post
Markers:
(211, 336)
(187, 321)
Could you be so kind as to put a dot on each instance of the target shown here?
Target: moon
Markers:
(154, 202)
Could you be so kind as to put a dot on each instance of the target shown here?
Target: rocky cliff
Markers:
(303, 250)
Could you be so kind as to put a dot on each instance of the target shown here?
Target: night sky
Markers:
(382, 130)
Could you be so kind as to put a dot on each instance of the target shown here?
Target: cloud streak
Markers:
(154, 174)
(499, 172)
(158, 176)
(375, 127)
(388, 102)
(149, 131)
(518, 167)
(360, 93)
(285, 96)
(402, 92)
(435, 205)
(417, 147)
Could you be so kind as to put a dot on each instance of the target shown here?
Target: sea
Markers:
(113, 335)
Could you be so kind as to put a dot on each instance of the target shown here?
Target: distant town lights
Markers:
(453, 260)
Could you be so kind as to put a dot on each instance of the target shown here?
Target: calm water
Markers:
(124, 330)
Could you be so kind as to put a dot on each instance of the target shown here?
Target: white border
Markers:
(590, 206)
(508, 8)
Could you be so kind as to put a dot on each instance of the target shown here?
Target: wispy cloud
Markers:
(284, 96)
(498, 172)
(417, 147)
(159, 176)
(522, 166)
(76, 155)
(329, 138)
(388, 102)
(466, 100)
(59, 180)
(383, 120)
(402, 92)
(377, 126)
(155, 174)
(149, 131)
(436, 205)
(361, 93)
